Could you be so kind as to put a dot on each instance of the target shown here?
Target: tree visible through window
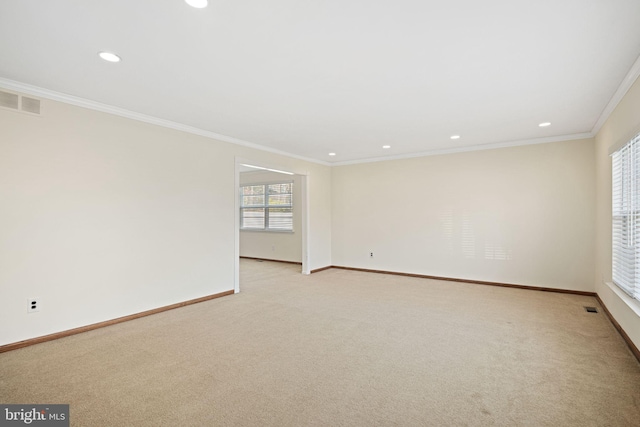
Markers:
(626, 217)
(267, 207)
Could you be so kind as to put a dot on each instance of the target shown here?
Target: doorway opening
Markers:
(265, 231)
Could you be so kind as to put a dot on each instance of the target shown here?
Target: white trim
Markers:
(633, 304)
(236, 226)
(305, 213)
(546, 140)
(104, 108)
(624, 140)
(624, 87)
(268, 230)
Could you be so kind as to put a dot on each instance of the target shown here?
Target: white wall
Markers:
(103, 216)
(623, 124)
(282, 246)
(521, 215)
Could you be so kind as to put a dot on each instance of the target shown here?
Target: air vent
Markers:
(30, 105)
(9, 100)
(591, 309)
(16, 102)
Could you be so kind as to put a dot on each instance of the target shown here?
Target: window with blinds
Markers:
(267, 207)
(626, 217)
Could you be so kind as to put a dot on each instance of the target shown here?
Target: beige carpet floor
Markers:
(342, 348)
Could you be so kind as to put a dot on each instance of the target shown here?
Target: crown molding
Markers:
(493, 146)
(624, 87)
(8, 84)
(110, 109)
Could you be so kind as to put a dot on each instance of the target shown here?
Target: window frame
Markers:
(625, 218)
(266, 207)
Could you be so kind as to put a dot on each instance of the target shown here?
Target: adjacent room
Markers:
(331, 213)
(270, 214)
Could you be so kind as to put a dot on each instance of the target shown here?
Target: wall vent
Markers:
(9, 100)
(30, 105)
(15, 102)
(591, 309)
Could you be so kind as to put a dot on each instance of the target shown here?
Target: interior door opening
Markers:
(271, 214)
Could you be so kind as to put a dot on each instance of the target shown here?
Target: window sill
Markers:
(252, 230)
(633, 304)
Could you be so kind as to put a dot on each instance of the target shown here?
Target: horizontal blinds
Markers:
(626, 217)
(281, 218)
(267, 206)
(252, 218)
(280, 206)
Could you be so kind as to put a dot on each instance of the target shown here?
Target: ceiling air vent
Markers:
(9, 100)
(30, 105)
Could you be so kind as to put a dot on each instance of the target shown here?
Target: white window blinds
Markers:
(267, 207)
(626, 217)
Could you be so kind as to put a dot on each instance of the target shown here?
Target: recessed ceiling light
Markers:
(199, 4)
(386, 146)
(544, 124)
(110, 57)
(455, 136)
(332, 154)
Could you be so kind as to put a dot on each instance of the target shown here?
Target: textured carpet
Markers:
(342, 348)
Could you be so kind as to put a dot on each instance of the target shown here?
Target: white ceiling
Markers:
(348, 76)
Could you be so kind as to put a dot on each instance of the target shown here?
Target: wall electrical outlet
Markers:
(370, 254)
(33, 305)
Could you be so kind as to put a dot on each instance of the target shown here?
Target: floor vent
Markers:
(591, 309)
(15, 102)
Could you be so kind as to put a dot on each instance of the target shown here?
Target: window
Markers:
(626, 217)
(267, 207)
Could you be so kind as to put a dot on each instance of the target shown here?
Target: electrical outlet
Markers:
(33, 305)
(370, 254)
(273, 248)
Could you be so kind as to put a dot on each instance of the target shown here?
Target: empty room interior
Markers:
(325, 213)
